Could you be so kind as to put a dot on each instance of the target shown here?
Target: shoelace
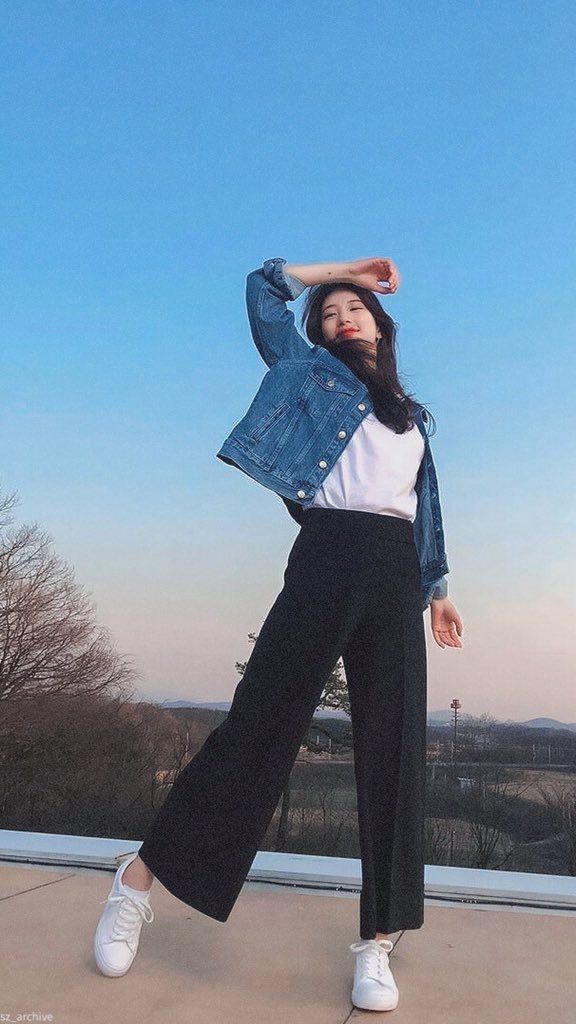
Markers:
(373, 963)
(130, 911)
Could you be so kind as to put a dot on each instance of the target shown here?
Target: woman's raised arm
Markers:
(318, 273)
(269, 289)
(365, 272)
(274, 331)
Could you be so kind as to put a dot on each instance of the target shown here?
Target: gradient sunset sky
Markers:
(155, 154)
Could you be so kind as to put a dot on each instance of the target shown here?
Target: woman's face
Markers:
(344, 315)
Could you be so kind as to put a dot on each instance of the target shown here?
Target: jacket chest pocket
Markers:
(322, 386)
(268, 421)
(333, 382)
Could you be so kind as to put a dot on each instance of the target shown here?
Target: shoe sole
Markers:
(391, 1004)
(101, 963)
(103, 967)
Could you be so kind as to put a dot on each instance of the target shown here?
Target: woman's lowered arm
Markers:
(446, 623)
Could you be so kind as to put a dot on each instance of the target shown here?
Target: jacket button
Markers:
(322, 464)
(341, 433)
(301, 494)
(330, 383)
(362, 406)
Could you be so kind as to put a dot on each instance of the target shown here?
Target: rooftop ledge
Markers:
(338, 875)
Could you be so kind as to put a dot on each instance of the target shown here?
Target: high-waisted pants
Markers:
(352, 591)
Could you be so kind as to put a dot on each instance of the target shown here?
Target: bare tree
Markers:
(89, 763)
(560, 797)
(478, 730)
(437, 840)
(487, 805)
(50, 642)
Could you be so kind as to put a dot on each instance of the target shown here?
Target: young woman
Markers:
(333, 433)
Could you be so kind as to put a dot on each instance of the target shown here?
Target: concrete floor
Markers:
(281, 958)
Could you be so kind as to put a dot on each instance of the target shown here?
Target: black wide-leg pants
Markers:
(351, 590)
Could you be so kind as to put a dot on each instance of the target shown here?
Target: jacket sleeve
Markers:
(437, 589)
(272, 324)
(440, 588)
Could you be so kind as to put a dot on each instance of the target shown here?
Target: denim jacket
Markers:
(304, 413)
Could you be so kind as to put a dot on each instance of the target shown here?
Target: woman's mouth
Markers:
(348, 330)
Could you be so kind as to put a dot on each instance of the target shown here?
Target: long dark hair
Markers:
(393, 406)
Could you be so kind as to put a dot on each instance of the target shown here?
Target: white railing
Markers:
(471, 886)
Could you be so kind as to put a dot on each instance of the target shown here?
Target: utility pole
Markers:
(455, 705)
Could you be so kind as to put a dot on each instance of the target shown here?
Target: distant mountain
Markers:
(548, 723)
(444, 717)
(440, 717)
(225, 706)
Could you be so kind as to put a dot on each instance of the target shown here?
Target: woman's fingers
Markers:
(447, 637)
(451, 636)
(454, 640)
(387, 271)
(374, 270)
(437, 637)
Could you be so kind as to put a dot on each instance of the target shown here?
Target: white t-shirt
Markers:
(376, 472)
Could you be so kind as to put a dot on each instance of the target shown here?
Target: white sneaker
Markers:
(118, 932)
(374, 987)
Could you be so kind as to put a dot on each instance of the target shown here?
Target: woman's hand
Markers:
(446, 623)
(368, 273)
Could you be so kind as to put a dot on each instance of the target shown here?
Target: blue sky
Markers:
(154, 154)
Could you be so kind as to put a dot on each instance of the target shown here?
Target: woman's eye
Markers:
(353, 309)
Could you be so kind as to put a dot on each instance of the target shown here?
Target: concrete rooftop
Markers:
(281, 958)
